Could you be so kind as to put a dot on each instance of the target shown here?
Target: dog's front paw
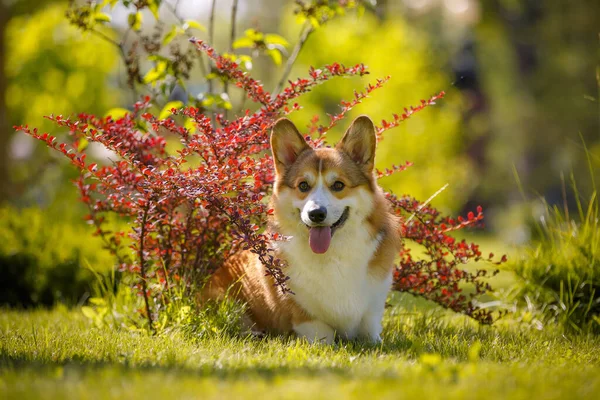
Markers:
(374, 339)
(370, 329)
(315, 332)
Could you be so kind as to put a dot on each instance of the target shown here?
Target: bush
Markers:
(561, 270)
(193, 204)
(35, 269)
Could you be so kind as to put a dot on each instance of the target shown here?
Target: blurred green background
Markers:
(521, 77)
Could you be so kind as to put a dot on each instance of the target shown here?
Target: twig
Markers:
(308, 29)
(120, 46)
(173, 9)
(211, 37)
(113, 42)
(433, 196)
(233, 17)
(143, 267)
(231, 40)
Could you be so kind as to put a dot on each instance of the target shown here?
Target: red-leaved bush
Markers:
(191, 208)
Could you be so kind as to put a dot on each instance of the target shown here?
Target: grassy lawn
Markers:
(426, 353)
(61, 354)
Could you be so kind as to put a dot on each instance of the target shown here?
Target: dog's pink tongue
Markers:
(319, 238)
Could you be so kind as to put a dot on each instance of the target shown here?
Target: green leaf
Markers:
(116, 113)
(314, 22)
(112, 3)
(300, 18)
(254, 35)
(89, 312)
(208, 101)
(158, 57)
(83, 144)
(166, 111)
(153, 7)
(243, 42)
(101, 17)
(271, 38)
(175, 30)
(99, 301)
(189, 23)
(223, 101)
(135, 21)
(245, 62)
(275, 56)
(156, 73)
(190, 125)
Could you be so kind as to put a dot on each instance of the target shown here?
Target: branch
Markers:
(233, 17)
(173, 9)
(143, 267)
(231, 40)
(122, 53)
(308, 29)
(113, 42)
(211, 37)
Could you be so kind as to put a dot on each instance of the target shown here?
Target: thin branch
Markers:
(433, 196)
(233, 18)
(143, 267)
(121, 47)
(107, 38)
(211, 38)
(308, 29)
(234, 8)
(113, 42)
(173, 10)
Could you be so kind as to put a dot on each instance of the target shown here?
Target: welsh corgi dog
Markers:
(343, 238)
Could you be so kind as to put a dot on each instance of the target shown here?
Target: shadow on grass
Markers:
(82, 367)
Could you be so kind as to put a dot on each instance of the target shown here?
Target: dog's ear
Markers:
(359, 142)
(286, 144)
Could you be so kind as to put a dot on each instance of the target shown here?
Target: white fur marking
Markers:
(336, 288)
(315, 331)
(320, 196)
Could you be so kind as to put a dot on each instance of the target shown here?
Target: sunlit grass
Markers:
(60, 354)
(560, 270)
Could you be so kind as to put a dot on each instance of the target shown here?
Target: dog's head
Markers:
(321, 191)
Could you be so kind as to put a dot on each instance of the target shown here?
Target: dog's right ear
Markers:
(286, 144)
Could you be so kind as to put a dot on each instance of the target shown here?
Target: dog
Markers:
(343, 240)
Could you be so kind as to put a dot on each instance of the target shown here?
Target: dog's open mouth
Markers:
(319, 237)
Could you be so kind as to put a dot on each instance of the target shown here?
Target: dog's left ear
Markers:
(359, 142)
(286, 144)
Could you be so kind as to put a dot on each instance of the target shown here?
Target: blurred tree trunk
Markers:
(5, 129)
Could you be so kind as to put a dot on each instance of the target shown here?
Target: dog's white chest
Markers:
(335, 287)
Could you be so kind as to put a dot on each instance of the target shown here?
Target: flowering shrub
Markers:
(193, 207)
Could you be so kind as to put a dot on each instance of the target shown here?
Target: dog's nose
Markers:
(318, 214)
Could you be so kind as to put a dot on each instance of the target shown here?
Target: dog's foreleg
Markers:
(315, 331)
(370, 326)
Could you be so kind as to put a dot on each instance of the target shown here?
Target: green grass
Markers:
(61, 354)
(560, 271)
(426, 353)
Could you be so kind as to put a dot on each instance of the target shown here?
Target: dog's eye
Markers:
(304, 187)
(338, 186)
